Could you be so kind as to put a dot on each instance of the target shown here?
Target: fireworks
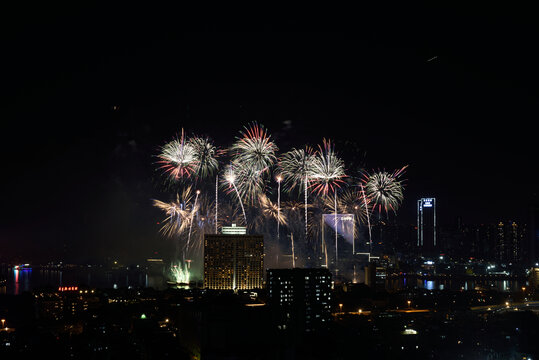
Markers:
(193, 162)
(270, 210)
(179, 274)
(327, 170)
(253, 154)
(351, 201)
(296, 167)
(177, 218)
(384, 190)
(254, 149)
(205, 156)
(230, 179)
(178, 158)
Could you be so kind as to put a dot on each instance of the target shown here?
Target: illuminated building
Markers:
(300, 299)
(531, 245)
(233, 260)
(375, 274)
(233, 230)
(155, 266)
(509, 239)
(426, 225)
(533, 277)
(66, 302)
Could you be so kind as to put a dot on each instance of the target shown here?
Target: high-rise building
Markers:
(375, 274)
(426, 225)
(233, 260)
(533, 278)
(531, 246)
(509, 240)
(300, 299)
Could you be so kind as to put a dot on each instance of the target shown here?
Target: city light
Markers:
(259, 235)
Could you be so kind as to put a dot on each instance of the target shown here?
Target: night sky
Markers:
(90, 93)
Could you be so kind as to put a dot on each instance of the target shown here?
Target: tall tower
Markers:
(426, 224)
(509, 240)
(233, 260)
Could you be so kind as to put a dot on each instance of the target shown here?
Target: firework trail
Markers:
(384, 190)
(336, 230)
(230, 178)
(368, 216)
(279, 179)
(216, 202)
(293, 253)
(202, 223)
(317, 209)
(178, 158)
(192, 218)
(293, 210)
(296, 167)
(327, 173)
(351, 202)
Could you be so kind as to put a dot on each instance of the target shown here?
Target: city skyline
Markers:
(89, 109)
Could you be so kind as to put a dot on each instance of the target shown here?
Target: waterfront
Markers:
(456, 283)
(19, 281)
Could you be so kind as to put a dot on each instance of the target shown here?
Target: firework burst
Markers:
(178, 158)
(177, 214)
(255, 149)
(384, 190)
(270, 210)
(350, 201)
(296, 168)
(327, 169)
(205, 156)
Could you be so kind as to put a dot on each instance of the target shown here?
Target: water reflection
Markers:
(454, 284)
(19, 281)
(428, 284)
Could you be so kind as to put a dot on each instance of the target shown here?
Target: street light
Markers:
(340, 307)
(3, 322)
(409, 302)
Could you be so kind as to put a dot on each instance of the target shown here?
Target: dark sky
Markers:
(452, 92)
